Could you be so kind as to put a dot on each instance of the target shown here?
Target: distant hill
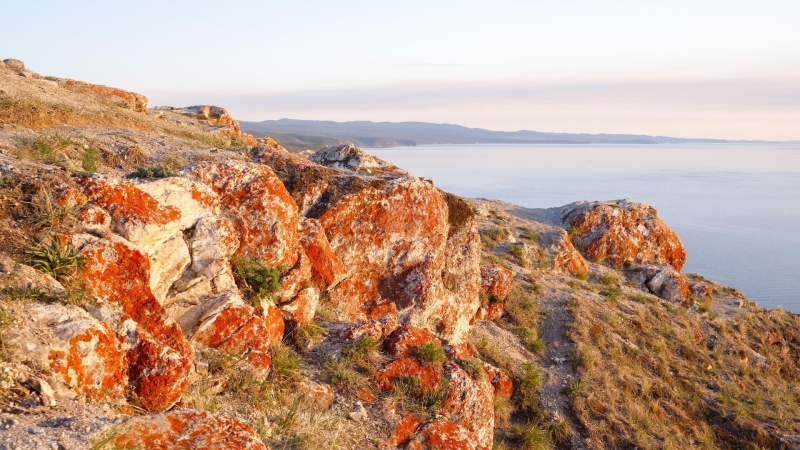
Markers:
(313, 134)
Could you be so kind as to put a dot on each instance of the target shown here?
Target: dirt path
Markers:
(556, 369)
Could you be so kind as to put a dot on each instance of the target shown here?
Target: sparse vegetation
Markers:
(256, 279)
(473, 366)
(431, 354)
(91, 156)
(56, 259)
(153, 172)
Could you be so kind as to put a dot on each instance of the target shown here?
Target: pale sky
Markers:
(717, 69)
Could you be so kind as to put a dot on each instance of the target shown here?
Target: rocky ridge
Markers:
(220, 296)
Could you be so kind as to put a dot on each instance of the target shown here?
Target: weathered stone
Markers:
(158, 373)
(134, 101)
(95, 220)
(167, 263)
(404, 429)
(491, 311)
(621, 232)
(404, 368)
(405, 340)
(376, 329)
(82, 352)
(443, 435)
(66, 195)
(262, 211)
(660, 280)
(14, 64)
(347, 156)
(469, 402)
(301, 309)
(326, 268)
(565, 256)
(192, 199)
(320, 396)
(136, 215)
(501, 380)
(217, 117)
(496, 281)
(46, 393)
(188, 430)
(296, 278)
(21, 276)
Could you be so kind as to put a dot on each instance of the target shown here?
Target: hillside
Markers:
(169, 281)
(313, 134)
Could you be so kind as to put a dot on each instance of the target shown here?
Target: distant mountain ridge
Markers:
(297, 134)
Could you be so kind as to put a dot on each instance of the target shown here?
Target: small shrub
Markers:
(56, 259)
(609, 280)
(520, 252)
(530, 437)
(496, 233)
(573, 388)
(560, 432)
(582, 275)
(90, 159)
(612, 293)
(529, 234)
(173, 162)
(572, 232)
(643, 299)
(431, 354)
(363, 347)
(305, 336)
(153, 172)
(527, 388)
(286, 368)
(257, 279)
(503, 409)
(530, 339)
(582, 358)
(47, 215)
(473, 366)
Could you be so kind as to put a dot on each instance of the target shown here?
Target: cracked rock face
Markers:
(621, 232)
(660, 280)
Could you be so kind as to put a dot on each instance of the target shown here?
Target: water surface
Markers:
(735, 206)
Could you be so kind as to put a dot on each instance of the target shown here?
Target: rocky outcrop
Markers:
(442, 435)
(217, 117)
(469, 402)
(660, 280)
(349, 157)
(408, 249)
(622, 232)
(131, 100)
(14, 64)
(565, 256)
(188, 430)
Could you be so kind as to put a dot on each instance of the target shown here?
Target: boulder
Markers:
(404, 429)
(376, 329)
(405, 368)
(501, 380)
(94, 220)
(469, 402)
(21, 276)
(135, 214)
(14, 64)
(565, 256)
(300, 310)
(187, 430)
(621, 232)
(134, 101)
(263, 213)
(160, 357)
(349, 157)
(167, 263)
(405, 340)
(443, 435)
(660, 280)
(496, 281)
(80, 351)
(66, 195)
(194, 200)
(326, 268)
(408, 249)
(217, 117)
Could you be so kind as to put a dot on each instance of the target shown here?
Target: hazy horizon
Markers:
(726, 70)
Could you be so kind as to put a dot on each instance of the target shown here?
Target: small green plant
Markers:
(643, 299)
(582, 358)
(573, 388)
(90, 159)
(47, 215)
(559, 431)
(572, 232)
(286, 368)
(431, 354)
(609, 280)
(582, 275)
(363, 347)
(531, 437)
(520, 252)
(306, 335)
(473, 366)
(153, 172)
(56, 259)
(528, 384)
(409, 389)
(530, 339)
(256, 278)
(496, 233)
(612, 293)
(529, 234)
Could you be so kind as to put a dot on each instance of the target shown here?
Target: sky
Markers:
(715, 69)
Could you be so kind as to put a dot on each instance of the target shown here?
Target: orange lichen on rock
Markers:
(263, 213)
(623, 231)
(406, 340)
(136, 102)
(501, 380)
(443, 435)
(469, 402)
(66, 195)
(496, 281)
(566, 257)
(188, 430)
(404, 429)
(157, 373)
(403, 368)
(326, 268)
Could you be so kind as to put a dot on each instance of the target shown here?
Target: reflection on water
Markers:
(735, 206)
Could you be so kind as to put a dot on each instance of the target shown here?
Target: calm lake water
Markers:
(735, 206)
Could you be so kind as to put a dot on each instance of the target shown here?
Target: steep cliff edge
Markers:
(169, 282)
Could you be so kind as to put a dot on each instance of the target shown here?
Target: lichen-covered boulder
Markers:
(348, 156)
(118, 273)
(660, 280)
(326, 268)
(443, 435)
(565, 256)
(501, 380)
(135, 214)
(404, 369)
(194, 200)
(496, 281)
(300, 310)
(237, 328)
(409, 250)
(622, 231)
(81, 352)
(469, 402)
(187, 430)
(134, 101)
(262, 212)
(406, 340)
